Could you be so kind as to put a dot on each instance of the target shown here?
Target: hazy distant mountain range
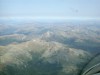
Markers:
(47, 48)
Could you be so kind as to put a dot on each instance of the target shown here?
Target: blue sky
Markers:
(50, 9)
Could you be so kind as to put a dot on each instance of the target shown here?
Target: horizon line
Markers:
(51, 18)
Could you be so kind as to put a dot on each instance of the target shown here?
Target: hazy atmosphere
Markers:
(49, 37)
(50, 9)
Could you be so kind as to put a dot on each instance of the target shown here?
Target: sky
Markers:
(51, 9)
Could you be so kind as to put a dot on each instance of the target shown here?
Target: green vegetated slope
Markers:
(41, 57)
(47, 50)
